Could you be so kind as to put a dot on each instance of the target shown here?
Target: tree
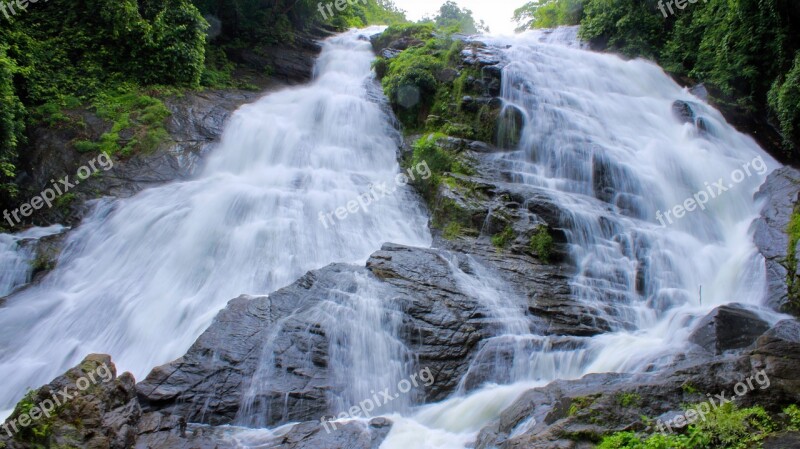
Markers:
(454, 18)
(548, 13)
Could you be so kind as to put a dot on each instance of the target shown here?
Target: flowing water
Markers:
(600, 141)
(141, 278)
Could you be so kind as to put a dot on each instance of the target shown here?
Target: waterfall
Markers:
(142, 277)
(600, 141)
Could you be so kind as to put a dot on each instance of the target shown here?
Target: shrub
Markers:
(542, 243)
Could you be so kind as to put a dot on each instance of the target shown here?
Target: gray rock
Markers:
(578, 413)
(728, 327)
(780, 195)
(442, 325)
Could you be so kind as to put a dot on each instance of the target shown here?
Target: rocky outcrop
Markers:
(196, 123)
(728, 327)
(89, 406)
(442, 324)
(780, 194)
(576, 414)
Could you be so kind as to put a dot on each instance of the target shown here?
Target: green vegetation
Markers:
(452, 231)
(451, 18)
(38, 433)
(628, 399)
(548, 14)
(746, 51)
(542, 243)
(793, 286)
(580, 403)
(504, 238)
(121, 59)
(726, 427)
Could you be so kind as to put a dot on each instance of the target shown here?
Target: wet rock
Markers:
(508, 131)
(699, 91)
(98, 410)
(578, 413)
(780, 194)
(728, 327)
(442, 325)
(683, 111)
(784, 440)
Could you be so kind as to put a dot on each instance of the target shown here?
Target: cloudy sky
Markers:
(496, 13)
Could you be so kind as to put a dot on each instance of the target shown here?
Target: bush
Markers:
(542, 243)
(784, 99)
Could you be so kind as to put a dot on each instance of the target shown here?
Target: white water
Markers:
(17, 256)
(583, 107)
(152, 271)
(141, 278)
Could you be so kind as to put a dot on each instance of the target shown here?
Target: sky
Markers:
(496, 13)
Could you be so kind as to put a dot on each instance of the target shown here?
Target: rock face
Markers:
(780, 194)
(196, 124)
(442, 324)
(575, 414)
(728, 327)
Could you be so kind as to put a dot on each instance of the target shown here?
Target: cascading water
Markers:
(17, 256)
(141, 278)
(601, 142)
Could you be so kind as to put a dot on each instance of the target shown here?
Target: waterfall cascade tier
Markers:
(141, 278)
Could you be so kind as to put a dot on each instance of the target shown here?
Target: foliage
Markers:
(632, 27)
(784, 99)
(454, 19)
(793, 286)
(428, 150)
(502, 239)
(793, 414)
(628, 399)
(138, 123)
(452, 231)
(542, 243)
(548, 13)
(12, 126)
(725, 427)
(741, 49)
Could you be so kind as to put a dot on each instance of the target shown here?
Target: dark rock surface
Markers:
(573, 414)
(442, 325)
(728, 327)
(780, 195)
(196, 124)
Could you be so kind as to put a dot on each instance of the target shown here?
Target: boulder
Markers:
(90, 407)
(728, 327)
